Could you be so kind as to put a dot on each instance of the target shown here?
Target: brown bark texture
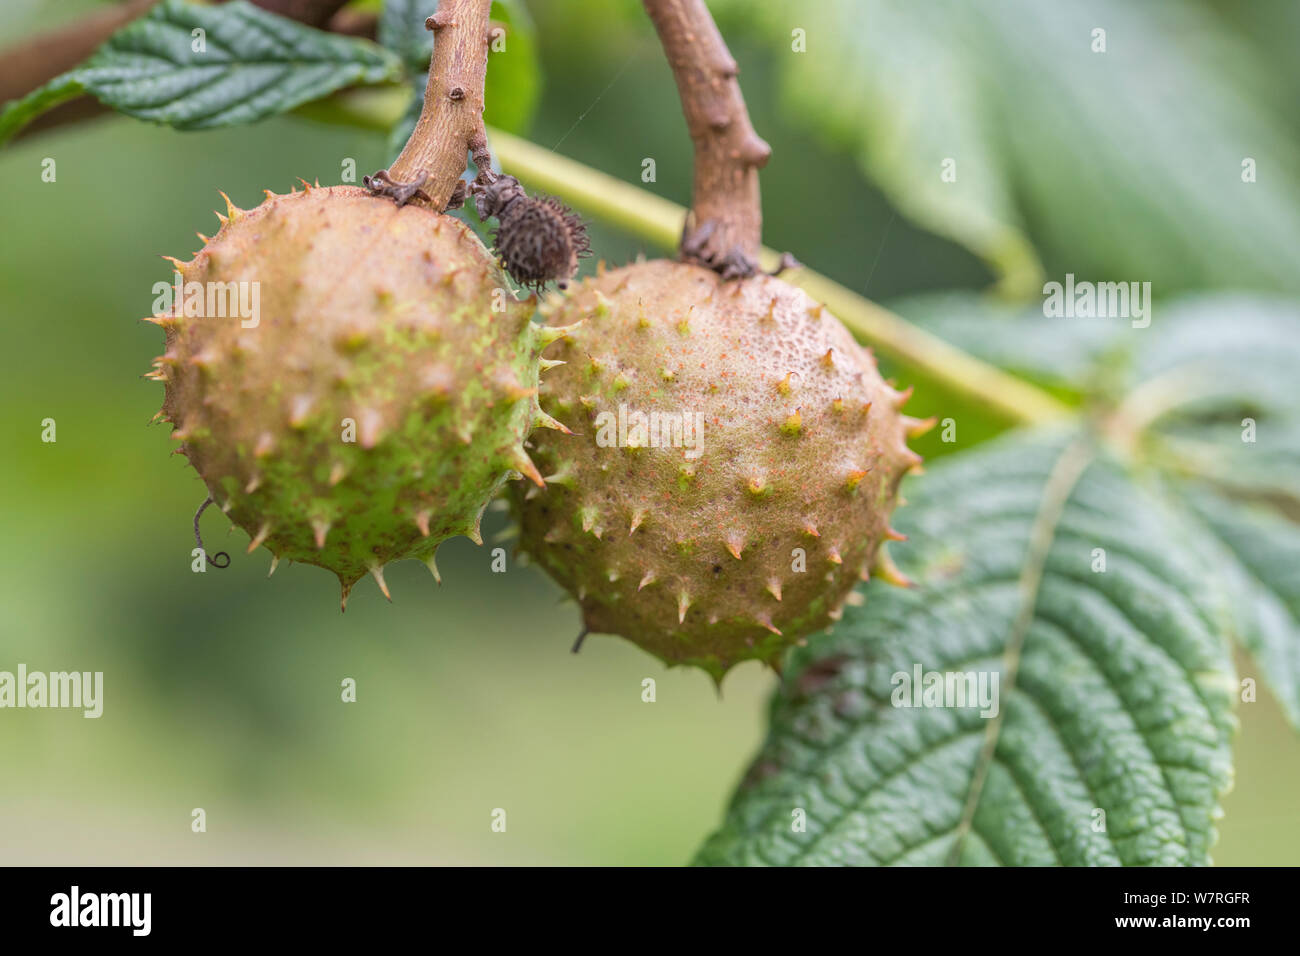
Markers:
(724, 228)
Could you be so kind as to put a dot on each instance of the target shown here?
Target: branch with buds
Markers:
(723, 230)
(430, 166)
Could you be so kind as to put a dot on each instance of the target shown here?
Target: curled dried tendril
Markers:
(215, 559)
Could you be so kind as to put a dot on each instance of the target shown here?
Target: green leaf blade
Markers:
(18, 113)
(1213, 379)
(514, 72)
(402, 30)
(1261, 567)
(1122, 164)
(1121, 702)
(249, 64)
(255, 64)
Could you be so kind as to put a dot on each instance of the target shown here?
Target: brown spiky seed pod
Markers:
(377, 400)
(539, 239)
(740, 518)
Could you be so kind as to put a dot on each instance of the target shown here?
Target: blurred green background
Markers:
(222, 689)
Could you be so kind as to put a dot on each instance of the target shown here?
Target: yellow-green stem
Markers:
(659, 221)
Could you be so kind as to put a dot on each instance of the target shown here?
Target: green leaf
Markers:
(1212, 377)
(198, 67)
(1125, 164)
(18, 113)
(1212, 381)
(1115, 686)
(514, 73)
(402, 30)
(1261, 569)
(1220, 390)
(1221, 376)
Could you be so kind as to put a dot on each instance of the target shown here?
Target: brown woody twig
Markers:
(723, 230)
(451, 122)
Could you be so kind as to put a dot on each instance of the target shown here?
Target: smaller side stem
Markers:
(724, 228)
(451, 122)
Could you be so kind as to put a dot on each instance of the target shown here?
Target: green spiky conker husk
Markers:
(757, 542)
(383, 395)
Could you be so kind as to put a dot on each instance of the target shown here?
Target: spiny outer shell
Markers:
(801, 449)
(371, 313)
